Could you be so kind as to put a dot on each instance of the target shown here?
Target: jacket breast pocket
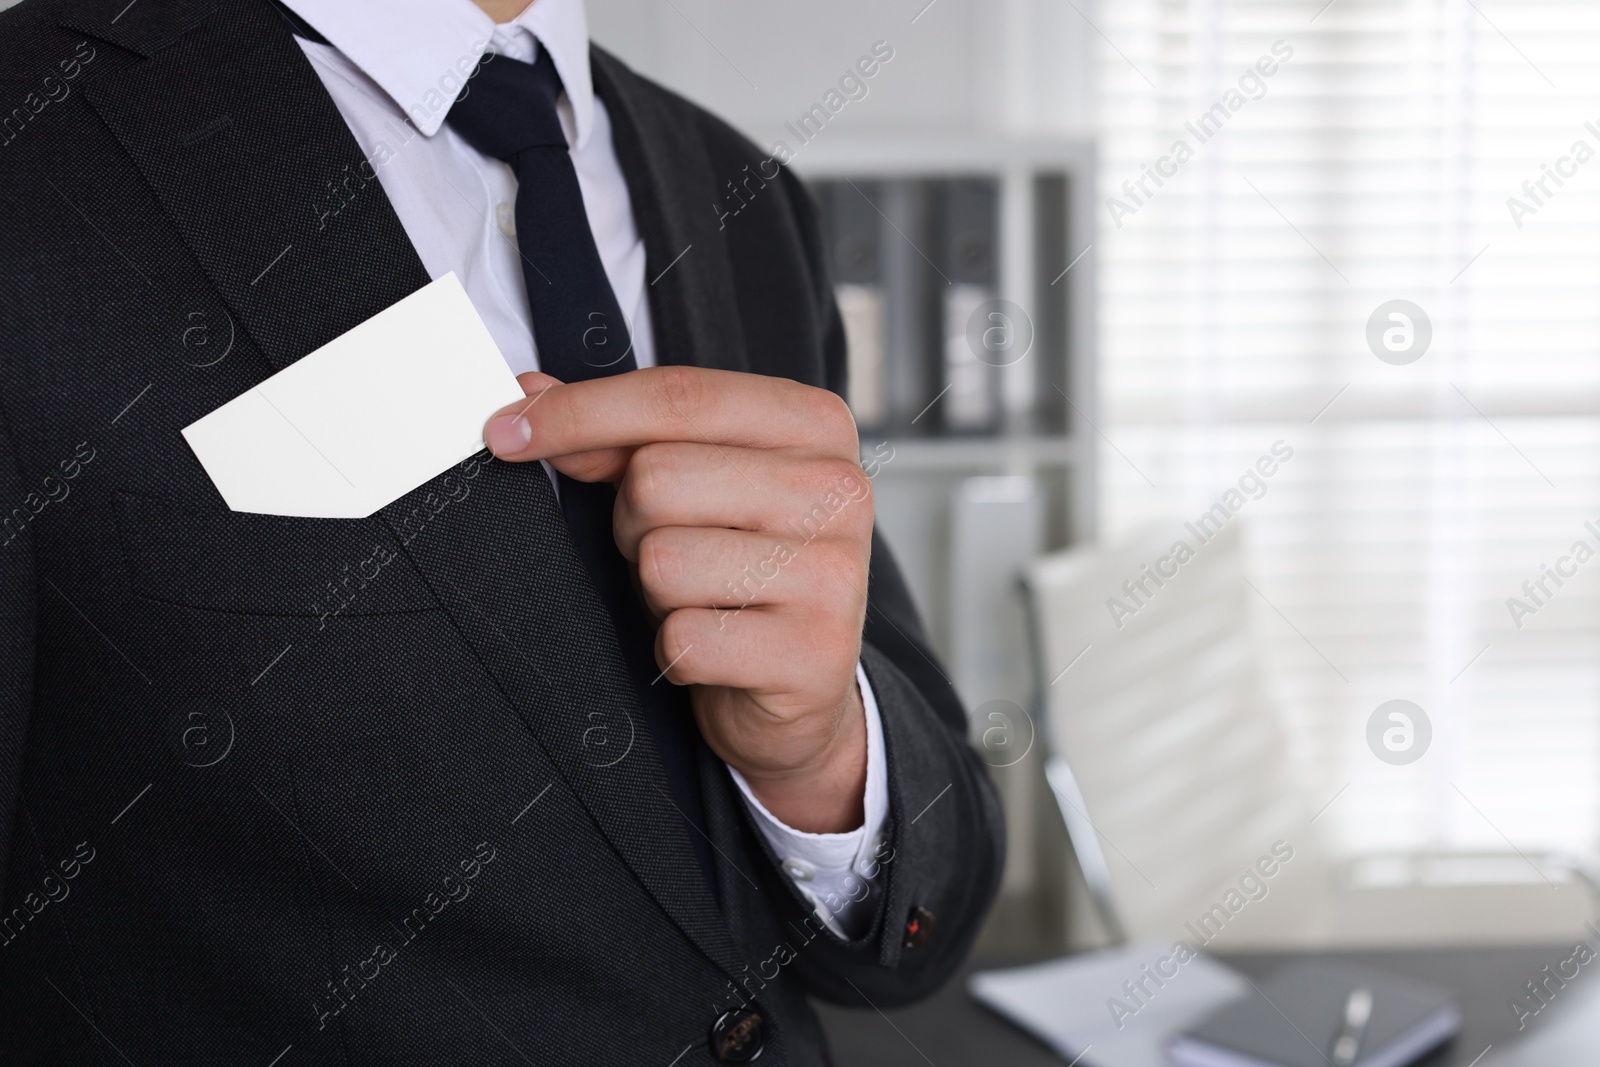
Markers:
(243, 564)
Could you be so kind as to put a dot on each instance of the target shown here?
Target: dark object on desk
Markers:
(1307, 1010)
(957, 1031)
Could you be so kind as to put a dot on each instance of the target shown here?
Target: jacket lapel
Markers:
(234, 133)
(673, 189)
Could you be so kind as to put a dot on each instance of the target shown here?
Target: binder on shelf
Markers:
(912, 313)
(852, 225)
(1052, 259)
(974, 327)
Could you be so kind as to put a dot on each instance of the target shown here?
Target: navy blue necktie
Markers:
(508, 111)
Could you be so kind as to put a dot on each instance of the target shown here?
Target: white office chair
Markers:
(1172, 770)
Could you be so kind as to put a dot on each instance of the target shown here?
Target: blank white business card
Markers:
(364, 419)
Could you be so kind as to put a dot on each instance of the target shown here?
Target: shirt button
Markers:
(919, 927)
(505, 217)
(738, 1036)
(799, 870)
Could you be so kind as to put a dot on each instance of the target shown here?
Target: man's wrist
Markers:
(826, 796)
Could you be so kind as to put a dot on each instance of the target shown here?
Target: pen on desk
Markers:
(1357, 1012)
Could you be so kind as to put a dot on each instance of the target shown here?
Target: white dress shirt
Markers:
(394, 69)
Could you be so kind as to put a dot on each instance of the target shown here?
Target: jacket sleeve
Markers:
(946, 844)
(16, 640)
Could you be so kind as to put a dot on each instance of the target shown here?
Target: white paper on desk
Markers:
(1064, 1002)
(364, 419)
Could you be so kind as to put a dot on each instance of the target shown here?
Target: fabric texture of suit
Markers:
(376, 791)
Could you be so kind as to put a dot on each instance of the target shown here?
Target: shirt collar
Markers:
(420, 52)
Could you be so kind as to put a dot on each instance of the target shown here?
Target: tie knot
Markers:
(508, 106)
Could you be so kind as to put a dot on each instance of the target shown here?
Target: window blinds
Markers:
(1445, 153)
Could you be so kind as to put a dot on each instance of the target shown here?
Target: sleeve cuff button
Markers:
(919, 927)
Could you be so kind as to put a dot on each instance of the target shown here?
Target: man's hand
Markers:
(742, 503)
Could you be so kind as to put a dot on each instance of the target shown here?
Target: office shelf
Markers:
(968, 494)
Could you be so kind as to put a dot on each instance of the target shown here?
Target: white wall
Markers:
(980, 65)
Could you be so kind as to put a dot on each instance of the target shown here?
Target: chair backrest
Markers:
(1171, 769)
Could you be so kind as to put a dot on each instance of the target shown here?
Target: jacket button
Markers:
(738, 1036)
(919, 927)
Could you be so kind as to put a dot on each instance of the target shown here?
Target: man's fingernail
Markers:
(508, 435)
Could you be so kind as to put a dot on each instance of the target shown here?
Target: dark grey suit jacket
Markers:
(373, 791)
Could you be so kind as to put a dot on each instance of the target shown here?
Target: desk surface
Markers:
(950, 1029)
